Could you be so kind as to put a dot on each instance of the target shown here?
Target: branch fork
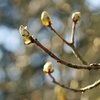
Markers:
(46, 20)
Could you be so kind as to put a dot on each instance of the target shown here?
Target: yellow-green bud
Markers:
(45, 18)
(25, 34)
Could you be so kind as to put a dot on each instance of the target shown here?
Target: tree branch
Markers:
(89, 67)
(71, 45)
(82, 90)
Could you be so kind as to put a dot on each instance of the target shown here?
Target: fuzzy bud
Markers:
(45, 18)
(48, 68)
(76, 17)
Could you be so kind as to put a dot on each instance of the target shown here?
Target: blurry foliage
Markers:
(21, 75)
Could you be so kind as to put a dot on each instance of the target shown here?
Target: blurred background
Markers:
(21, 75)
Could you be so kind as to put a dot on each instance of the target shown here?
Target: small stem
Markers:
(73, 47)
(95, 84)
(73, 32)
(77, 55)
(58, 35)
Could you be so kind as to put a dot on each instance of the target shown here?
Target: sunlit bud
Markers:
(25, 34)
(76, 17)
(45, 18)
(48, 68)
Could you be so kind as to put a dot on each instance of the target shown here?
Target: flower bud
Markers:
(25, 34)
(48, 68)
(76, 17)
(45, 18)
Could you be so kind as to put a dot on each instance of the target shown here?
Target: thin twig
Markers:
(95, 84)
(89, 67)
(77, 55)
(73, 32)
(71, 45)
(59, 35)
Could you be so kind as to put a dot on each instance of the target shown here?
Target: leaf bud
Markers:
(48, 68)
(45, 18)
(25, 34)
(76, 16)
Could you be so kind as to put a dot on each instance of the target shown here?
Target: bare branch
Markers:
(71, 45)
(82, 90)
(89, 67)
